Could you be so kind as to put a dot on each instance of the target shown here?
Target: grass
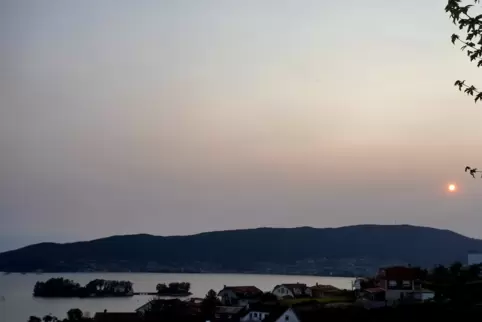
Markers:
(324, 300)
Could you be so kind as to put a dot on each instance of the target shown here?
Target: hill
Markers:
(247, 250)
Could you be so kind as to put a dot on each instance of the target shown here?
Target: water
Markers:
(18, 304)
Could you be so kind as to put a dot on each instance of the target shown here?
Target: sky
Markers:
(184, 116)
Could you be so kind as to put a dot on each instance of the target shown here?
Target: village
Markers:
(392, 286)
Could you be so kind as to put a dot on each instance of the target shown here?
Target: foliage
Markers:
(174, 288)
(56, 287)
(456, 283)
(466, 16)
(74, 315)
(60, 287)
(268, 297)
(209, 303)
(34, 319)
(101, 287)
(49, 318)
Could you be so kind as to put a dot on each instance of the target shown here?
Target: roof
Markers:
(117, 317)
(374, 290)
(171, 305)
(242, 291)
(159, 303)
(398, 273)
(292, 286)
(295, 285)
(324, 288)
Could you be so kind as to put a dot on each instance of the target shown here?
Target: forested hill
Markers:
(245, 249)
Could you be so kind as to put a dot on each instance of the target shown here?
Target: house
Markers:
(320, 290)
(286, 315)
(260, 312)
(398, 282)
(240, 295)
(291, 291)
(170, 309)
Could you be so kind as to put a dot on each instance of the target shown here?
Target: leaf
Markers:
(454, 38)
(478, 97)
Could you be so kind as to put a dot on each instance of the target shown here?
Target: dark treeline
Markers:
(175, 288)
(61, 287)
(456, 282)
(73, 315)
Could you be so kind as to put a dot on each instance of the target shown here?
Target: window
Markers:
(255, 315)
(287, 317)
(392, 283)
(407, 283)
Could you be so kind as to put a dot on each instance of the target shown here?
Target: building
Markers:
(291, 291)
(240, 295)
(474, 259)
(398, 282)
(376, 294)
(320, 290)
(260, 312)
(287, 315)
(170, 308)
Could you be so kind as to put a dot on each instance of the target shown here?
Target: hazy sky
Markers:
(176, 117)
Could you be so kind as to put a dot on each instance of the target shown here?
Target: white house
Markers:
(255, 315)
(291, 291)
(288, 316)
(259, 312)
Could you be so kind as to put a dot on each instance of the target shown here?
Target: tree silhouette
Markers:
(74, 315)
(49, 318)
(268, 297)
(208, 305)
(34, 319)
(466, 15)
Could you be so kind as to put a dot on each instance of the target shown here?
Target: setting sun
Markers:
(452, 187)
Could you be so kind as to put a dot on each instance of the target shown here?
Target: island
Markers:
(62, 287)
(174, 289)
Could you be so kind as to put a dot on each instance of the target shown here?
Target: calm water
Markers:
(18, 303)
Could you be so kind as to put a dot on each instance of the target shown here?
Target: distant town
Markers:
(345, 267)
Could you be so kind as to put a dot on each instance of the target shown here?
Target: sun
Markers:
(452, 187)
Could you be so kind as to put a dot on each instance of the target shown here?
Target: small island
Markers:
(174, 289)
(61, 287)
